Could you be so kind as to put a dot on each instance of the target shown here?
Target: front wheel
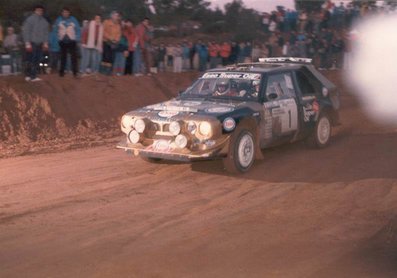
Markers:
(241, 154)
(322, 132)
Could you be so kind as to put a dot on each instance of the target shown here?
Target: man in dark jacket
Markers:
(35, 35)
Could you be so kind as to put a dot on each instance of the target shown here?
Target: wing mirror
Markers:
(272, 96)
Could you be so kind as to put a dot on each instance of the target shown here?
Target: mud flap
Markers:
(258, 150)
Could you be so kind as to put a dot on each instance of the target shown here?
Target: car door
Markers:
(308, 97)
(280, 107)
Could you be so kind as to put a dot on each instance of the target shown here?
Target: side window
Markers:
(304, 84)
(279, 85)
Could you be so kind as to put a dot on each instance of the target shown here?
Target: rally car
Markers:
(235, 112)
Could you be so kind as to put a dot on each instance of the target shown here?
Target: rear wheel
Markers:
(322, 133)
(241, 154)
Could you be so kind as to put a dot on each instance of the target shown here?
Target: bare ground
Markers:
(299, 213)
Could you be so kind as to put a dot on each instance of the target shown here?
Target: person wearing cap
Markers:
(35, 35)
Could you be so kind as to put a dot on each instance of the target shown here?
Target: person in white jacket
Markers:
(92, 43)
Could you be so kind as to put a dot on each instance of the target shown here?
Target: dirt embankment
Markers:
(68, 112)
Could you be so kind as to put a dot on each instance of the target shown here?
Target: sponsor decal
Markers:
(229, 124)
(310, 110)
(167, 114)
(219, 109)
(233, 75)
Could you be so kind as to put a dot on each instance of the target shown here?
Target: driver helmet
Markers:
(256, 83)
(222, 86)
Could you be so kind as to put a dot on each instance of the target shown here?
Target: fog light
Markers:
(134, 137)
(175, 128)
(140, 125)
(181, 141)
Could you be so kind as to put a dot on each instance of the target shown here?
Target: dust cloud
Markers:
(373, 66)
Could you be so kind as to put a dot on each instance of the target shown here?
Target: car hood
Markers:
(177, 108)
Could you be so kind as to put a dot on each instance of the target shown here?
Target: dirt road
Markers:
(299, 213)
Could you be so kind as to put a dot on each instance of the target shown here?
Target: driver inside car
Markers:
(222, 88)
(255, 88)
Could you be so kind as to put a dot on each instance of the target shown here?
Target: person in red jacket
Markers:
(145, 34)
(130, 33)
(226, 50)
(213, 51)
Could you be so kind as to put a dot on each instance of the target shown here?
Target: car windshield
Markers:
(226, 85)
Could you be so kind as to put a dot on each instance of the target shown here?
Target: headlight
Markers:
(205, 128)
(127, 121)
(181, 141)
(140, 125)
(134, 137)
(191, 127)
(175, 128)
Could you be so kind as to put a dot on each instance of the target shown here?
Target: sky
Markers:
(260, 5)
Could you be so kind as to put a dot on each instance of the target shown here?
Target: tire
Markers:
(322, 132)
(241, 154)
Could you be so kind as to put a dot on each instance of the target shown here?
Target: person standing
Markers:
(161, 56)
(111, 39)
(83, 48)
(213, 52)
(93, 45)
(54, 51)
(1, 35)
(177, 54)
(121, 53)
(12, 47)
(202, 51)
(35, 35)
(130, 34)
(224, 52)
(145, 34)
(185, 56)
(68, 31)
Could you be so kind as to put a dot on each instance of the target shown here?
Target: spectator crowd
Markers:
(115, 46)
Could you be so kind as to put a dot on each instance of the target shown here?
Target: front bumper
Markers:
(175, 155)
